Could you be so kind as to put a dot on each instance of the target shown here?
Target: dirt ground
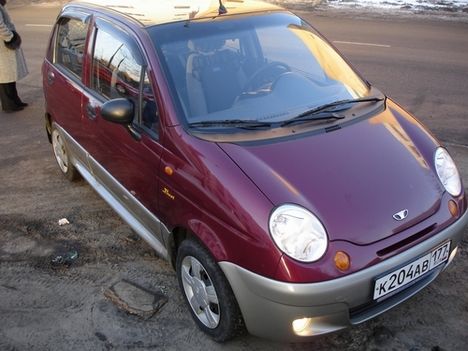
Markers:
(54, 307)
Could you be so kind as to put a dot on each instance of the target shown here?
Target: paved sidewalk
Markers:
(17, 3)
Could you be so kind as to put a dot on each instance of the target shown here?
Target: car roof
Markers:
(149, 13)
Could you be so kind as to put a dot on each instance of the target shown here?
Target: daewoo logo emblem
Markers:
(399, 216)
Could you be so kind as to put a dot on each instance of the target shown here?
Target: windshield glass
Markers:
(268, 67)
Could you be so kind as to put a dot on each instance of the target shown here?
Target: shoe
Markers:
(23, 104)
(14, 109)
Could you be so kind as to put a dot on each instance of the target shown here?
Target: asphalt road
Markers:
(422, 64)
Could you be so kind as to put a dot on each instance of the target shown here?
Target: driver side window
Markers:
(119, 71)
(116, 69)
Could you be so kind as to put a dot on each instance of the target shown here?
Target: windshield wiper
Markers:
(314, 114)
(312, 117)
(236, 123)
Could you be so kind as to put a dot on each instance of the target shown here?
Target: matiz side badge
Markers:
(167, 192)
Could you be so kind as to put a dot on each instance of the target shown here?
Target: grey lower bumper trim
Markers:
(269, 306)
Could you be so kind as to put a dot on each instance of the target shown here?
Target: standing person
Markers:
(12, 63)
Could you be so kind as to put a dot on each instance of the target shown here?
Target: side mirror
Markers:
(119, 111)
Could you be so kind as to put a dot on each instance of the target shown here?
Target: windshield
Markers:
(268, 68)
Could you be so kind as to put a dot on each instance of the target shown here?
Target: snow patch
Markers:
(446, 5)
(409, 5)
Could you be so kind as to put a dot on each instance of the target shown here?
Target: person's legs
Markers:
(16, 98)
(9, 97)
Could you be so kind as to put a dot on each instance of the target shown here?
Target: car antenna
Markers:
(221, 10)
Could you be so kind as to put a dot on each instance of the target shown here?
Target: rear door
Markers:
(125, 159)
(63, 71)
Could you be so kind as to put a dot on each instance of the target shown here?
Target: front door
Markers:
(124, 158)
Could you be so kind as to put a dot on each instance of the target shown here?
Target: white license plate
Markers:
(412, 271)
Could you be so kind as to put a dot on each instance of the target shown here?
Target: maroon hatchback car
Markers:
(291, 196)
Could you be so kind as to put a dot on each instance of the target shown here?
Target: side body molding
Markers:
(142, 221)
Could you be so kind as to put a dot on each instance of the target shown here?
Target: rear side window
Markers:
(70, 44)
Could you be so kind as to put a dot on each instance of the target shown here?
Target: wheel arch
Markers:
(200, 232)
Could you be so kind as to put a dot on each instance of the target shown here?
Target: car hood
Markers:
(354, 179)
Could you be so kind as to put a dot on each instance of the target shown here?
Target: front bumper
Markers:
(269, 307)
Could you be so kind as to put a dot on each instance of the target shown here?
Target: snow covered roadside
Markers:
(444, 5)
(418, 5)
(441, 9)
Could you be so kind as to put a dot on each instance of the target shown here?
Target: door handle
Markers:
(91, 111)
(50, 77)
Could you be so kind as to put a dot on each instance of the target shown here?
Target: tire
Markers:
(62, 156)
(207, 292)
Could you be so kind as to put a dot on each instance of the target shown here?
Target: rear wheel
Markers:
(207, 292)
(62, 156)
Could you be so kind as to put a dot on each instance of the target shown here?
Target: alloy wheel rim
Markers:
(200, 292)
(60, 151)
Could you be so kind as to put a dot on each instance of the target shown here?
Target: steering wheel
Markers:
(264, 78)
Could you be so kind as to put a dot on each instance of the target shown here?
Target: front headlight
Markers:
(447, 172)
(298, 233)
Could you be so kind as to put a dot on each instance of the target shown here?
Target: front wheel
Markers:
(62, 156)
(207, 292)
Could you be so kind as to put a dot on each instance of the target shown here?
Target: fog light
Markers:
(453, 208)
(301, 326)
(342, 261)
